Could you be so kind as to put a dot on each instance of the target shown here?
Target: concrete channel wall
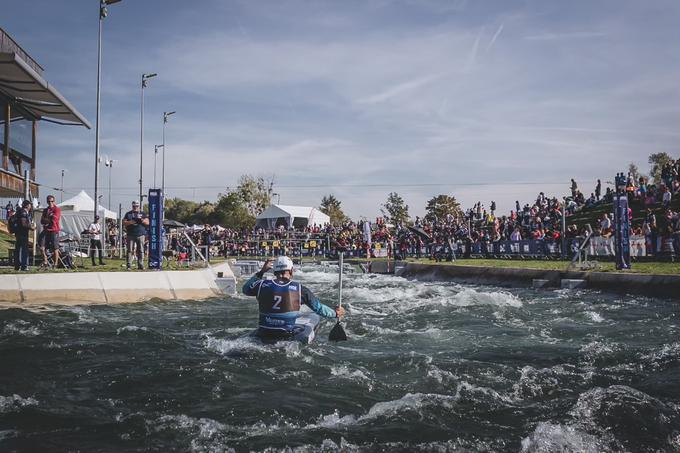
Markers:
(644, 284)
(115, 287)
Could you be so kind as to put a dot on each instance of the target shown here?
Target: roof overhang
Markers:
(25, 86)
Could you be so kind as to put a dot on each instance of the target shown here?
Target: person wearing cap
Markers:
(50, 223)
(24, 225)
(280, 300)
(95, 230)
(135, 222)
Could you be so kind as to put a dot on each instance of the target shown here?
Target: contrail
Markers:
(473, 52)
(495, 37)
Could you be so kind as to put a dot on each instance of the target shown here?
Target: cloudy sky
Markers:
(477, 99)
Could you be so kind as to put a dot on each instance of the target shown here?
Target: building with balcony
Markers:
(26, 98)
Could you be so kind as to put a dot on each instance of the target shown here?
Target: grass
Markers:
(661, 268)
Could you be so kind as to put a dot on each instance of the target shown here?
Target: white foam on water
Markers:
(411, 402)
(599, 349)
(85, 316)
(595, 317)
(439, 375)
(470, 296)
(249, 344)
(668, 353)
(327, 446)
(8, 434)
(130, 329)
(15, 403)
(21, 328)
(208, 435)
(548, 438)
(541, 382)
(466, 387)
(354, 375)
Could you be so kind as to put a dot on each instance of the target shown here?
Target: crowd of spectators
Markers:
(540, 220)
(548, 219)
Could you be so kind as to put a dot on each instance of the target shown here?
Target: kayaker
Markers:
(280, 300)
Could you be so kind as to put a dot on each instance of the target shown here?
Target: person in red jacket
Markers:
(51, 216)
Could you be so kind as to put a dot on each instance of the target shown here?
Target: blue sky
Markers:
(360, 98)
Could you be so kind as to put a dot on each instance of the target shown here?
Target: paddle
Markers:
(338, 332)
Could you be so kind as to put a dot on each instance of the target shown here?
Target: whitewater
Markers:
(429, 366)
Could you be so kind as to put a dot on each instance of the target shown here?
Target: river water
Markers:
(429, 366)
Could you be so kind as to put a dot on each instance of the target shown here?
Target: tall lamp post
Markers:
(109, 163)
(155, 154)
(166, 115)
(145, 77)
(61, 189)
(103, 12)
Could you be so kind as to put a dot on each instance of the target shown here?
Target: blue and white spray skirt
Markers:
(304, 331)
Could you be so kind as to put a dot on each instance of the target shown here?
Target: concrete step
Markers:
(572, 283)
(540, 283)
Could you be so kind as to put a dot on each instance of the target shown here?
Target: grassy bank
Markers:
(638, 268)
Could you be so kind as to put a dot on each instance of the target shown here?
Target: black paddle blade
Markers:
(337, 333)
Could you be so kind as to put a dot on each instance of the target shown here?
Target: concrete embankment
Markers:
(115, 287)
(644, 284)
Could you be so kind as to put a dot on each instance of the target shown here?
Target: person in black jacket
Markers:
(24, 225)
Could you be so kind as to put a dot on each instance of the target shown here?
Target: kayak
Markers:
(306, 326)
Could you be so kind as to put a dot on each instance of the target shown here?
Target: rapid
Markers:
(429, 366)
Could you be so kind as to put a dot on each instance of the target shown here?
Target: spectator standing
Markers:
(206, 240)
(598, 190)
(22, 225)
(51, 216)
(666, 198)
(605, 226)
(95, 230)
(574, 188)
(650, 221)
(135, 223)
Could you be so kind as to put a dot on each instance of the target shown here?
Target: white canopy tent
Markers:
(298, 216)
(77, 214)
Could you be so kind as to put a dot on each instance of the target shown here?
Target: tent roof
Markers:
(276, 211)
(83, 202)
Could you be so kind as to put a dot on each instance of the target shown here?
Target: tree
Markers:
(657, 162)
(439, 207)
(231, 212)
(395, 210)
(180, 210)
(633, 170)
(331, 207)
(255, 192)
(202, 213)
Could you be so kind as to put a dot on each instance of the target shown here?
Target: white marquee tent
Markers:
(77, 214)
(298, 216)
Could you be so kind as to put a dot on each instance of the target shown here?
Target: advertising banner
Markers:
(155, 229)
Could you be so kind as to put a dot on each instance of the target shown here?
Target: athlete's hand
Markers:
(266, 266)
(339, 312)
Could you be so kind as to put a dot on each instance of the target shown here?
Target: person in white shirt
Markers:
(95, 230)
(666, 200)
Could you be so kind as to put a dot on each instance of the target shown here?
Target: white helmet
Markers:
(283, 263)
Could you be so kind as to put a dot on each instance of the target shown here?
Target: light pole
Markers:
(109, 163)
(145, 77)
(166, 115)
(103, 12)
(155, 154)
(61, 189)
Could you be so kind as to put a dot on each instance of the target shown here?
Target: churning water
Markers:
(428, 367)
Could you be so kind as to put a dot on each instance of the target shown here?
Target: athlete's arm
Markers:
(252, 286)
(309, 299)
